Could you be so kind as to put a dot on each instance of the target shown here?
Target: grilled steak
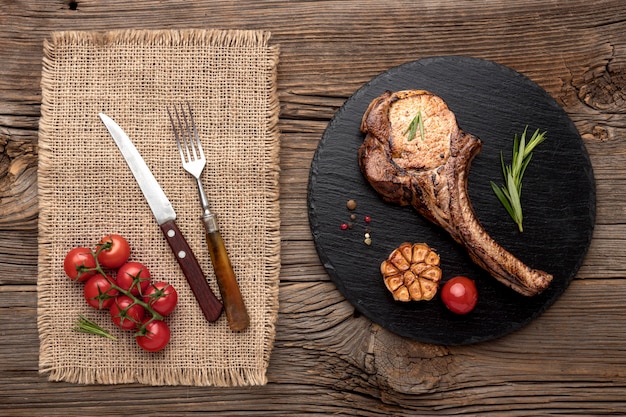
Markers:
(430, 173)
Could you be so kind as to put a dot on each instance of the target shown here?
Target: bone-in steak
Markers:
(430, 173)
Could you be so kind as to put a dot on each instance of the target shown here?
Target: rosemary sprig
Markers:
(84, 325)
(418, 121)
(510, 194)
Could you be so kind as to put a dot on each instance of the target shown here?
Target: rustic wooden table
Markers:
(327, 360)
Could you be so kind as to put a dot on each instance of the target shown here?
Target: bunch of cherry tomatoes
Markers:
(125, 289)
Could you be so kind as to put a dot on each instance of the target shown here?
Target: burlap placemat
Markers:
(86, 191)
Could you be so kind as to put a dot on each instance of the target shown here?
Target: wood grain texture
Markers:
(327, 360)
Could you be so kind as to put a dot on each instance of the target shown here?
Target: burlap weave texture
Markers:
(86, 191)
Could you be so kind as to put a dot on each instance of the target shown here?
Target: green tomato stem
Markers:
(98, 268)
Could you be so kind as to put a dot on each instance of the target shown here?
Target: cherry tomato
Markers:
(162, 297)
(79, 264)
(115, 251)
(459, 294)
(99, 293)
(133, 277)
(125, 313)
(155, 336)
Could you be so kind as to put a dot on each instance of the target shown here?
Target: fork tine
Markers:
(195, 132)
(178, 144)
(188, 135)
(184, 134)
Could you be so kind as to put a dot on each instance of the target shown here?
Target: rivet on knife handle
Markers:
(209, 304)
(234, 307)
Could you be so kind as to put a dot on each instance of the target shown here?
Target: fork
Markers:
(194, 161)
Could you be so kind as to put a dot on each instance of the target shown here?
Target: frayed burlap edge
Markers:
(198, 377)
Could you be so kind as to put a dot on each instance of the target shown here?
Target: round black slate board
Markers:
(494, 103)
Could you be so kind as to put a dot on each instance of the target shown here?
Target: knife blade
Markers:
(166, 218)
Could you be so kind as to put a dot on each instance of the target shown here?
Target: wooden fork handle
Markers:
(209, 304)
(236, 311)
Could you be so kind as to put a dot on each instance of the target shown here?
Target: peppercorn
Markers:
(351, 204)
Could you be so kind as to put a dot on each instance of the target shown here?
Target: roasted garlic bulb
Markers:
(412, 272)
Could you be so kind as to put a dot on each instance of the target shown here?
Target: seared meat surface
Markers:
(430, 173)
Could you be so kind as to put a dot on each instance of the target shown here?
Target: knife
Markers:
(166, 218)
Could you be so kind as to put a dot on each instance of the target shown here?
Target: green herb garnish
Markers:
(84, 325)
(510, 194)
(417, 121)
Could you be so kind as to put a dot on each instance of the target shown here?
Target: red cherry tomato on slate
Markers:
(162, 297)
(79, 263)
(98, 292)
(133, 277)
(459, 294)
(155, 337)
(125, 314)
(115, 253)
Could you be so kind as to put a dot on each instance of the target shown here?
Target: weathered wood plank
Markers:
(339, 354)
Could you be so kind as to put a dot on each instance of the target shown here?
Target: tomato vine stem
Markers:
(93, 328)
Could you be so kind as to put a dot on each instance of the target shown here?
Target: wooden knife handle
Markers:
(209, 304)
(234, 306)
